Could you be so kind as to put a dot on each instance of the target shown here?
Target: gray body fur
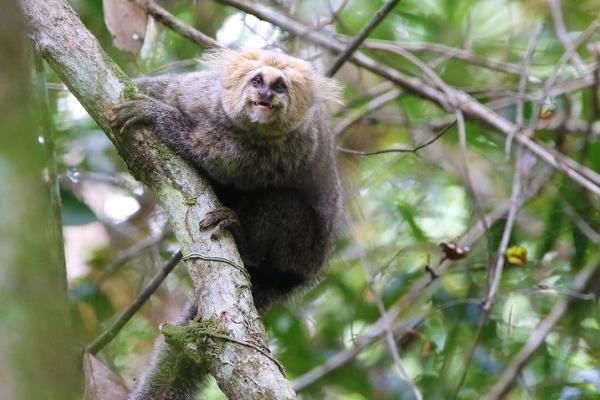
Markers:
(285, 191)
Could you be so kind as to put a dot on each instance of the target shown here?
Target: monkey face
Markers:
(267, 96)
(265, 92)
(269, 93)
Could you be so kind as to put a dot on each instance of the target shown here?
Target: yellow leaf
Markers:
(516, 255)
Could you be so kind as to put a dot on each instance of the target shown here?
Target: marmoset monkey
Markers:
(257, 125)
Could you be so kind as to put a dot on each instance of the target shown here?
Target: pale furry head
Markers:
(269, 92)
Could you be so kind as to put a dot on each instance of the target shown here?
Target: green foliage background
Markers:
(400, 207)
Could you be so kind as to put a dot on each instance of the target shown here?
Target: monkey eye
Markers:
(279, 87)
(257, 81)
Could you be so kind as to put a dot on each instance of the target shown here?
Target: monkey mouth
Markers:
(262, 106)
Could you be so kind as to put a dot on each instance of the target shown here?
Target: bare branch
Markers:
(385, 151)
(551, 81)
(334, 15)
(581, 223)
(561, 31)
(416, 291)
(533, 39)
(128, 254)
(446, 51)
(372, 105)
(360, 38)
(495, 273)
(516, 187)
(343, 357)
(368, 94)
(109, 334)
(538, 336)
(169, 20)
(388, 330)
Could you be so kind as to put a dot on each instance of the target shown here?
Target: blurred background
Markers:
(400, 206)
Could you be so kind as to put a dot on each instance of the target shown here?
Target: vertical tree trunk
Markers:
(39, 356)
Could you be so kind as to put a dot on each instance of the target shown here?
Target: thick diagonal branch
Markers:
(76, 56)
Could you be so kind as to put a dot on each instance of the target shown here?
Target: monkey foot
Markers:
(219, 219)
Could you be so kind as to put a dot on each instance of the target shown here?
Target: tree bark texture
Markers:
(225, 300)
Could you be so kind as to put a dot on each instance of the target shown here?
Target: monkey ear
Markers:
(328, 90)
(221, 58)
(218, 58)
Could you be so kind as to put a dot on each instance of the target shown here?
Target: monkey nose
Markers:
(265, 96)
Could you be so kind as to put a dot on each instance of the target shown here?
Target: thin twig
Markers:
(415, 292)
(399, 150)
(367, 94)
(496, 272)
(109, 334)
(533, 40)
(551, 81)
(128, 254)
(333, 16)
(585, 228)
(462, 140)
(538, 336)
(360, 38)
(446, 51)
(429, 73)
(372, 105)
(563, 36)
(388, 330)
(170, 21)
(343, 357)
(516, 187)
(571, 125)
(467, 176)
(559, 89)
(569, 52)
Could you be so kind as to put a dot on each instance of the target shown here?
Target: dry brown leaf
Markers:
(126, 21)
(101, 382)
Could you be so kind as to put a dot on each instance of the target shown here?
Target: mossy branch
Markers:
(99, 84)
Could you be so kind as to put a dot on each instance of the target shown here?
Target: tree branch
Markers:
(563, 36)
(538, 336)
(169, 20)
(108, 335)
(450, 52)
(416, 291)
(372, 105)
(360, 38)
(76, 56)
(398, 150)
(472, 108)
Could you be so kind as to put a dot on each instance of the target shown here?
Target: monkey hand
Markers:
(141, 109)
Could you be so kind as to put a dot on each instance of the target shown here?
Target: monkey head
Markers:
(269, 93)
